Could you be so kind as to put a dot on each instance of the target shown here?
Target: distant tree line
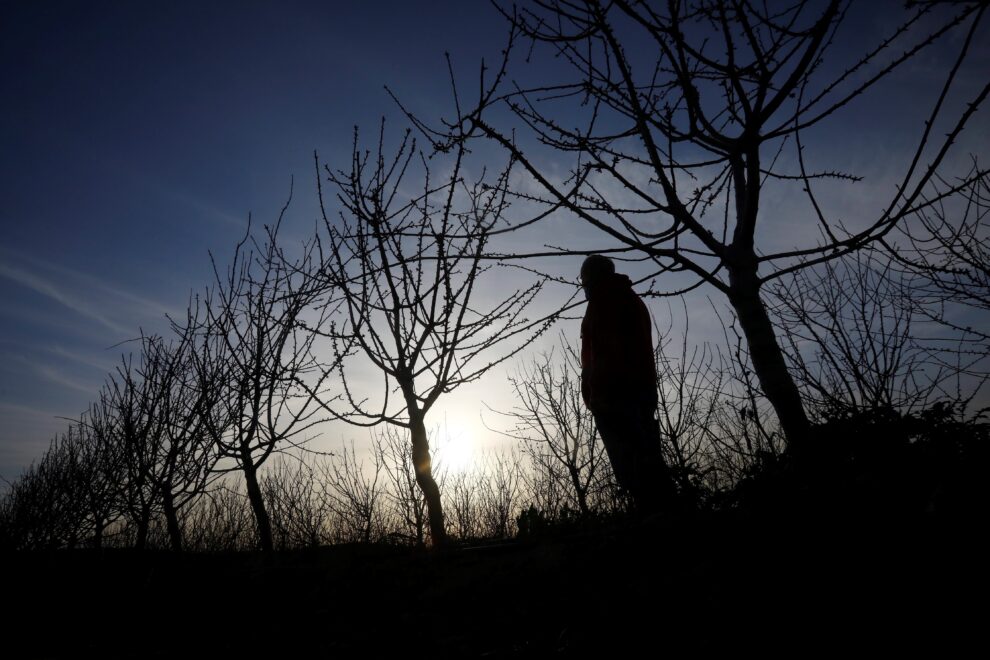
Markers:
(146, 465)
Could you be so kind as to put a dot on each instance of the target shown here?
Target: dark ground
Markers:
(702, 584)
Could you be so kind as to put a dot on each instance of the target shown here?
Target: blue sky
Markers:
(135, 138)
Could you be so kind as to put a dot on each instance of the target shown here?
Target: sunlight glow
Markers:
(454, 449)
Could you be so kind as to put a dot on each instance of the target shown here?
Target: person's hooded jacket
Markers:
(617, 365)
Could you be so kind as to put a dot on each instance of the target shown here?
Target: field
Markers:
(715, 583)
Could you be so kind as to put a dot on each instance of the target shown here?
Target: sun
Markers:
(454, 450)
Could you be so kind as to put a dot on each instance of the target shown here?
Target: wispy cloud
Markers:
(55, 374)
(79, 358)
(87, 295)
(56, 293)
(57, 377)
(7, 408)
(147, 305)
(205, 209)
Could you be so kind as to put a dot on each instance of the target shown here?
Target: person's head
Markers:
(596, 268)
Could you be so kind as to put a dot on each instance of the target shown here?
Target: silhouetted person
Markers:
(619, 383)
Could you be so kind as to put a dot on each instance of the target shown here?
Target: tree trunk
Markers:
(420, 529)
(418, 520)
(765, 354)
(581, 492)
(257, 504)
(143, 522)
(171, 520)
(423, 465)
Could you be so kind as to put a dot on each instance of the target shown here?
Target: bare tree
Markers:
(946, 251)
(742, 431)
(501, 488)
(265, 352)
(43, 510)
(462, 501)
(293, 491)
(556, 428)
(391, 443)
(356, 494)
(675, 118)
(220, 520)
(407, 267)
(857, 340)
(137, 452)
(691, 388)
(135, 394)
(102, 463)
(154, 416)
(190, 405)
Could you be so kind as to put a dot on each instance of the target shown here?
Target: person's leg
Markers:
(615, 431)
(632, 442)
(652, 484)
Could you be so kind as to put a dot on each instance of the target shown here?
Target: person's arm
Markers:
(586, 359)
(646, 364)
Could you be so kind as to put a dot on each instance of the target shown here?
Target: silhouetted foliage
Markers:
(42, 510)
(299, 516)
(877, 462)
